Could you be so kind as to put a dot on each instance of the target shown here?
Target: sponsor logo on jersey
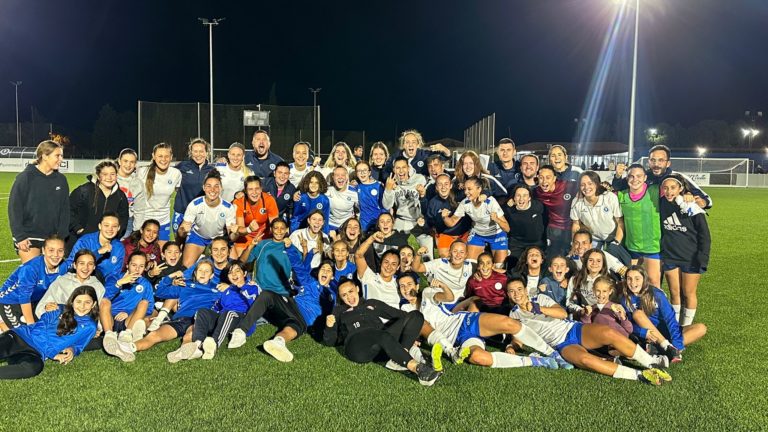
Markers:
(188, 172)
(672, 223)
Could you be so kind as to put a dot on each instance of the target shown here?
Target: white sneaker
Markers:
(185, 352)
(237, 339)
(278, 350)
(159, 320)
(209, 348)
(196, 355)
(113, 347)
(392, 365)
(416, 354)
(125, 336)
(139, 329)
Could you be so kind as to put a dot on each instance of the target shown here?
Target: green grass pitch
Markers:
(721, 385)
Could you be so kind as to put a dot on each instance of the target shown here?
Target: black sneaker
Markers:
(426, 374)
(673, 354)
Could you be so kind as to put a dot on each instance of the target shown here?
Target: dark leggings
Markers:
(217, 325)
(23, 361)
(280, 311)
(399, 335)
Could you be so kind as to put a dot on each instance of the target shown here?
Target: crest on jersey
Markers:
(170, 181)
(139, 288)
(287, 196)
(262, 210)
(221, 215)
(497, 286)
(420, 163)
(113, 260)
(319, 205)
(567, 197)
(374, 192)
(349, 198)
(606, 209)
(272, 167)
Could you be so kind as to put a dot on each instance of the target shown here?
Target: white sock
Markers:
(530, 339)
(279, 339)
(436, 337)
(676, 308)
(624, 372)
(688, 315)
(504, 360)
(642, 357)
(664, 344)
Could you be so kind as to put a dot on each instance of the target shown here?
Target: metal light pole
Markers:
(315, 120)
(210, 23)
(18, 132)
(631, 149)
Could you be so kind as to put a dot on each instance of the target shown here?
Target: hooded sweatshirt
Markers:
(87, 204)
(404, 198)
(38, 205)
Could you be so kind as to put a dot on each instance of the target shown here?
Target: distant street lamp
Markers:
(702, 151)
(18, 131)
(315, 121)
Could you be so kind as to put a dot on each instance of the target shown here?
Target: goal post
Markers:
(725, 172)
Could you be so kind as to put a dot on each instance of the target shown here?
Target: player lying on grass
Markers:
(653, 318)
(60, 335)
(573, 340)
(466, 330)
(358, 325)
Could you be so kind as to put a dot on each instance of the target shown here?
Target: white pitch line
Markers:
(9, 260)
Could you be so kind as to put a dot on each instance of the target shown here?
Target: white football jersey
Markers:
(295, 175)
(552, 330)
(343, 204)
(456, 279)
(158, 206)
(231, 181)
(374, 287)
(439, 317)
(209, 222)
(481, 216)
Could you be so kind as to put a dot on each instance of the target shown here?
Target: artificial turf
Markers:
(722, 384)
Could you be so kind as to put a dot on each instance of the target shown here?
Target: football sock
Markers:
(504, 360)
(626, 373)
(530, 339)
(688, 315)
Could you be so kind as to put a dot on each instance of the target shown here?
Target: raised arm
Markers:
(360, 262)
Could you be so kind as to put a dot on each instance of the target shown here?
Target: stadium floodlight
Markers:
(210, 23)
(653, 131)
(702, 151)
(631, 143)
(754, 132)
(18, 133)
(745, 132)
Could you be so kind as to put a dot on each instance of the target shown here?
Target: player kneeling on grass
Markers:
(197, 293)
(573, 340)
(291, 315)
(59, 335)
(125, 305)
(213, 325)
(653, 317)
(466, 330)
(358, 325)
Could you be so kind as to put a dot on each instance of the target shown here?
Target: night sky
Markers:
(436, 66)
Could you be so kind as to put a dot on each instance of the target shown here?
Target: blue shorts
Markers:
(195, 239)
(572, 338)
(684, 268)
(638, 255)
(180, 325)
(165, 232)
(497, 241)
(178, 218)
(470, 328)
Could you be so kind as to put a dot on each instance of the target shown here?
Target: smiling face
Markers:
(472, 190)
(137, 264)
(634, 280)
(340, 177)
(340, 156)
(340, 252)
(443, 186)
(406, 257)
(349, 294)
(558, 268)
(517, 293)
(127, 164)
(363, 172)
(300, 154)
(658, 162)
(353, 229)
(522, 197)
(378, 157)
(402, 171)
(235, 156)
(435, 168)
(325, 274)
(671, 189)
(581, 243)
(385, 223)
(236, 276)
(458, 253)
(219, 252)
(109, 227)
(313, 186)
(84, 267)
(282, 174)
(53, 159)
(410, 145)
(529, 166)
(636, 179)
(587, 187)
(212, 189)
(557, 158)
(594, 263)
(149, 233)
(547, 180)
(315, 223)
(408, 288)
(172, 254)
(279, 231)
(53, 253)
(485, 266)
(253, 191)
(468, 166)
(107, 177)
(534, 259)
(389, 265)
(82, 305)
(261, 144)
(162, 158)
(602, 292)
(199, 153)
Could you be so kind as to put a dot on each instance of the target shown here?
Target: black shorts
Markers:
(33, 243)
(181, 325)
(285, 313)
(11, 315)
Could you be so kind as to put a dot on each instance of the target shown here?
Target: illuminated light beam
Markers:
(594, 103)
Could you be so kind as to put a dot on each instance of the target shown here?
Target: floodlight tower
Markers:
(210, 23)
